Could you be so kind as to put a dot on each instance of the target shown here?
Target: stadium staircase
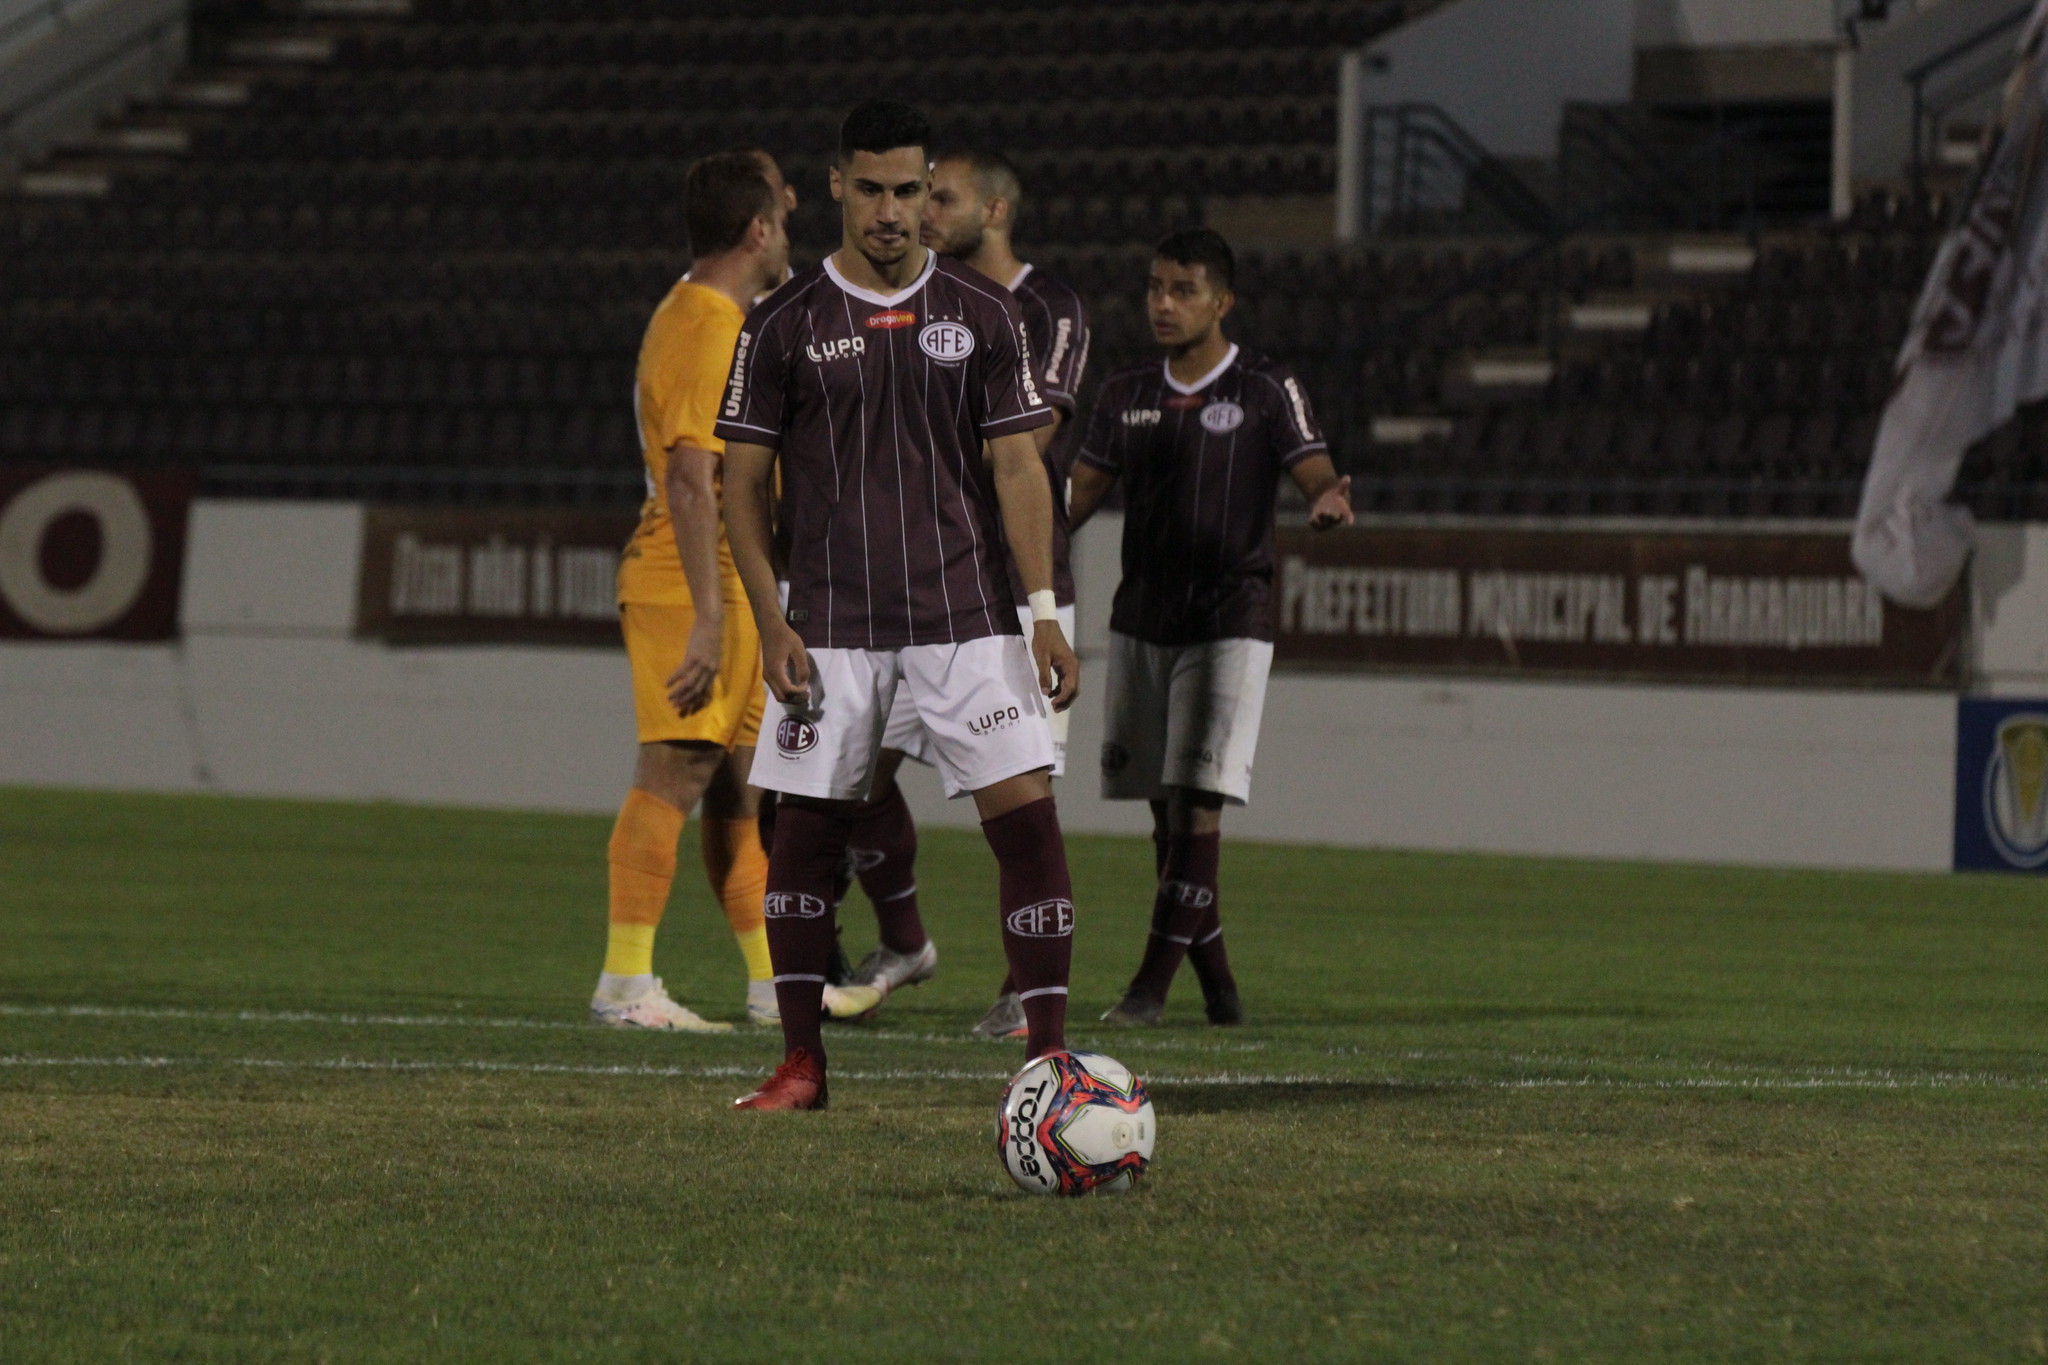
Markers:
(405, 249)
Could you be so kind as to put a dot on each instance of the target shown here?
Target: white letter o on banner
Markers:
(125, 547)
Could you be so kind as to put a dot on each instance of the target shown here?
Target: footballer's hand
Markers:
(689, 687)
(787, 666)
(1333, 508)
(1059, 672)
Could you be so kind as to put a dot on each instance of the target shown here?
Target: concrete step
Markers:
(355, 9)
(207, 94)
(65, 184)
(283, 49)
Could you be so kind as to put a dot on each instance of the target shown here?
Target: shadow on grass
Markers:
(1223, 1097)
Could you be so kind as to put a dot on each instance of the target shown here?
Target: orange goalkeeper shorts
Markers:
(656, 637)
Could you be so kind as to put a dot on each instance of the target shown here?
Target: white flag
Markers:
(1974, 354)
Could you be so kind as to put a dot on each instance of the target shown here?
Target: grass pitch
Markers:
(303, 1082)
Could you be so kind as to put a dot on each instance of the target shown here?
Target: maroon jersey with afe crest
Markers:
(1201, 465)
(878, 405)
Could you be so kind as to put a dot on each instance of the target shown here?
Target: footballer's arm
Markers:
(1044, 435)
(1025, 497)
(749, 472)
(1086, 489)
(692, 488)
(1329, 497)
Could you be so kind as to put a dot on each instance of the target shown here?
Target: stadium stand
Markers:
(409, 250)
(368, 247)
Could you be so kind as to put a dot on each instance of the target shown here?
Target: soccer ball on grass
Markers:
(1075, 1123)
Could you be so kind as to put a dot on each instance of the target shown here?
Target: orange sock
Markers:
(643, 867)
(737, 867)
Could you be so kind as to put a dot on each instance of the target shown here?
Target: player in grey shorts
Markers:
(1200, 441)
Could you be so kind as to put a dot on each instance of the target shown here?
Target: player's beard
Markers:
(870, 248)
(962, 244)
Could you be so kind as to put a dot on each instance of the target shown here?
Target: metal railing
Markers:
(1956, 75)
(1618, 158)
(1420, 165)
(56, 84)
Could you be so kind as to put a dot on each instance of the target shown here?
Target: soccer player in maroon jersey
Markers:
(973, 205)
(878, 377)
(1200, 441)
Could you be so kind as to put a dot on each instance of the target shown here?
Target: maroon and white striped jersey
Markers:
(1057, 324)
(878, 405)
(1201, 465)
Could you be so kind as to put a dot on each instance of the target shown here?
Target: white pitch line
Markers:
(1789, 1076)
(278, 1017)
(1224, 1079)
(251, 1016)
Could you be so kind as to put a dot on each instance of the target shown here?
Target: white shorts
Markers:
(906, 732)
(1183, 716)
(977, 703)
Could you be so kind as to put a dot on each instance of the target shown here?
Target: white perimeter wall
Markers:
(269, 695)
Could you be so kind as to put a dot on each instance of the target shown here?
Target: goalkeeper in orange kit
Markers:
(690, 635)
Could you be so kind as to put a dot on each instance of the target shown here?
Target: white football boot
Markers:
(650, 1008)
(888, 970)
(1005, 1018)
(762, 1006)
(851, 1002)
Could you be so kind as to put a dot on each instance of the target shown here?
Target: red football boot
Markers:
(799, 1083)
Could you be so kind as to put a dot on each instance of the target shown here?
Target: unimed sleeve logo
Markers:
(1046, 919)
(794, 735)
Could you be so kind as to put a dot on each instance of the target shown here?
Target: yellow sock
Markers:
(629, 949)
(643, 866)
(738, 868)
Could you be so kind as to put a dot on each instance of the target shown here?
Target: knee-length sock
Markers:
(1037, 898)
(799, 913)
(1186, 897)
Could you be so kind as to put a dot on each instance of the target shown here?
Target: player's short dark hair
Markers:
(722, 195)
(1204, 247)
(995, 175)
(882, 126)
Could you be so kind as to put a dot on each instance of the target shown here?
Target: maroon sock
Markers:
(1207, 956)
(1186, 896)
(798, 906)
(1038, 917)
(882, 848)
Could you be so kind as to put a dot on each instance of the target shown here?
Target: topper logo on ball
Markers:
(1023, 1138)
(1047, 919)
(946, 342)
(794, 735)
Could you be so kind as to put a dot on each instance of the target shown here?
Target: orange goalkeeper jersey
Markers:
(684, 359)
